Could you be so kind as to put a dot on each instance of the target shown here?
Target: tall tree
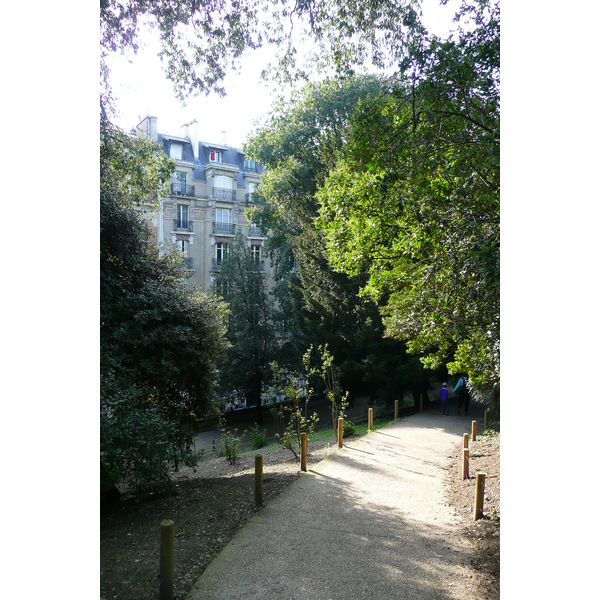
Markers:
(242, 282)
(159, 340)
(414, 201)
(299, 144)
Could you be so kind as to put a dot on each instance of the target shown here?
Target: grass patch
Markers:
(326, 435)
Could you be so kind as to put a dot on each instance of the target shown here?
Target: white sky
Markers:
(141, 89)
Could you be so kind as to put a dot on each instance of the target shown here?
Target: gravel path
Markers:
(370, 521)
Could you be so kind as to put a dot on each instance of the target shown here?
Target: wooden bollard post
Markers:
(258, 479)
(167, 538)
(485, 419)
(465, 464)
(479, 488)
(465, 440)
(303, 452)
(474, 430)
(340, 432)
(395, 410)
(370, 419)
(421, 402)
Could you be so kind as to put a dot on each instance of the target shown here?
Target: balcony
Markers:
(254, 231)
(183, 225)
(181, 189)
(223, 228)
(189, 263)
(222, 194)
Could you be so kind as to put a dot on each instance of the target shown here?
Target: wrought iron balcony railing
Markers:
(254, 230)
(224, 228)
(189, 263)
(222, 194)
(181, 189)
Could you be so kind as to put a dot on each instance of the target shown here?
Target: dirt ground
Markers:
(484, 534)
(216, 499)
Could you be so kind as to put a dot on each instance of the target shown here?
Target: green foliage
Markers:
(414, 202)
(257, 436)
(251, 331)
(339, 403)
(291, 414)
(299, 144)
(230, 445)
(349, 428)
(202, 41)
(159, 340)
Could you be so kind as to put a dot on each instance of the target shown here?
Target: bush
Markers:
(230, 446)
(257, 437)
(349, 428)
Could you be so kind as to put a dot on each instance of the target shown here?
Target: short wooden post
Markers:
(465, 464)
(303, 452)
(465, 440)
(340, 432)
(479, 488)
(474, 430)
(485, 419)
(258, 479)
(167, 538)
(370, 419)
(395, 410)
(421, 402)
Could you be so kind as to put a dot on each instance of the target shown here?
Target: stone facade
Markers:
(211, 188)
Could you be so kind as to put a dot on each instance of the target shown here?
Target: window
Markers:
(221, 252)
(256, 254)
(249, 164)
(184, 246)
(223, 222)
(222, 181)
(222, 287)
(251, 191)
(179, 187)
(223, 188)
(216, 156)
(176, 151)
(182, 216)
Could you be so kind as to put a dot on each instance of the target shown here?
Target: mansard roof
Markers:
(229, 156)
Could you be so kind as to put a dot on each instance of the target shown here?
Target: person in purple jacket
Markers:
(444, 398)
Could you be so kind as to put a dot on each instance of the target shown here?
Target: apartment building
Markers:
(212, 186)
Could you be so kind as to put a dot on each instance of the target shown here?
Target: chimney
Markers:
(191, 131)
(148, 127)
(224, 137)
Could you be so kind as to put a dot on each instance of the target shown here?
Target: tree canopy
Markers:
(299, 144)
(201, 41)
(413, 202)
(251, 331)
(159, 340)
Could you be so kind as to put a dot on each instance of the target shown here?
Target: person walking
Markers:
(463, 393)
(444, 398)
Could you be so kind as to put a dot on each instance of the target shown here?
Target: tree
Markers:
(159, 340)
(201, 41)
(414, 202)
(299, 144)
(251, 332)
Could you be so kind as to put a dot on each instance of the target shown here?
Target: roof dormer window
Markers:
(176, 151)
(216, 156)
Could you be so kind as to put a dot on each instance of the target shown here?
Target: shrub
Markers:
(257, 437)
(230, 446)
(349, 428)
